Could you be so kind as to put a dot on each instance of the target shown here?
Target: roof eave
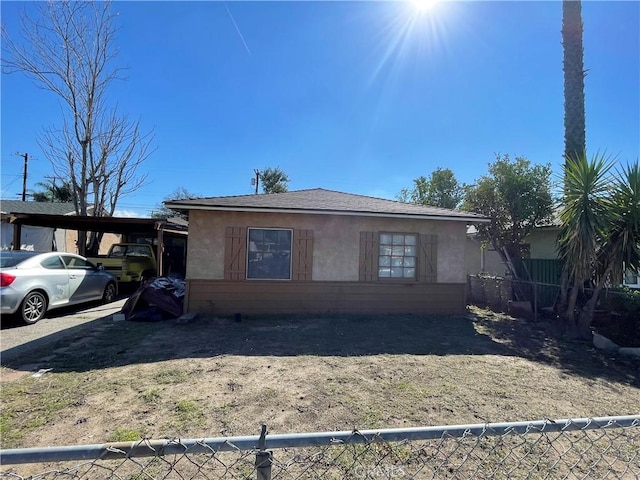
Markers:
(327, 212)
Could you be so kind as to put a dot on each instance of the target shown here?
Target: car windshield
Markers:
(11, 259)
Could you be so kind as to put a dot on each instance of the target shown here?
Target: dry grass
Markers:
(216, 377)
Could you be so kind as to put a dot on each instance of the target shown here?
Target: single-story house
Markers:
(322, 251)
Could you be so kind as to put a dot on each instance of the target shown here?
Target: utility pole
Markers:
(257, 172)
(17, 228)
(24, 175)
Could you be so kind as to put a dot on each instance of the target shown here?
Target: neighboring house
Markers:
(543, 242)
(43, 238)
(321, 251)
(481, 257)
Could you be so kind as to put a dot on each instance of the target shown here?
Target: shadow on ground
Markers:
(12, 321)
(531, 340)
(127, 343)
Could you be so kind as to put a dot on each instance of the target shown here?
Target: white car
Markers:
(32, 283)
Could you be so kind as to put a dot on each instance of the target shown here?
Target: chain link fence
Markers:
(535, 300)
(603, 448)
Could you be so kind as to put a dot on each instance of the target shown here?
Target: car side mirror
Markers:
(100, 267)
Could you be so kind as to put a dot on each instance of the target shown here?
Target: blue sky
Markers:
(360, 97)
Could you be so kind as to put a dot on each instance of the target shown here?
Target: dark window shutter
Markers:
(369, 256)
(235, 253)
(427, 272)
(302, 255)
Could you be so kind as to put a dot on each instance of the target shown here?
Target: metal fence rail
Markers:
(604, 447)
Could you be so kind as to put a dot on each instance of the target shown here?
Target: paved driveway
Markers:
(16, 339)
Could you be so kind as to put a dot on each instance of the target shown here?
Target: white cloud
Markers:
(126, 214)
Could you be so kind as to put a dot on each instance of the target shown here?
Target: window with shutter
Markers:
(398, 257)
(269, 254)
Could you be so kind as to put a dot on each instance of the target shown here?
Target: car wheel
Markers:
(33, 307)
(109, 294)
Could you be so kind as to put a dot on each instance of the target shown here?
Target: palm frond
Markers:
(586, 212)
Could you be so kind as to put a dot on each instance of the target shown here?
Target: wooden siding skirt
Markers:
(224, 298)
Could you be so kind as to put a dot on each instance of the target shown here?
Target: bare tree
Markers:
(180, 193)
(69, 50)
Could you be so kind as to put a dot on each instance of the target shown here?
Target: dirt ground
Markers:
(217, 377)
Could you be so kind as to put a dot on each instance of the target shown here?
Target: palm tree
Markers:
(600, 231)
(620, 246)
(575, 143)
(53, 192)
(274, 180)
(584, 215)
(573, 66)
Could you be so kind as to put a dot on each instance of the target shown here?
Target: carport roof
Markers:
(99, 224)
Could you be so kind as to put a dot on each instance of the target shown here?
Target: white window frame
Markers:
(416, 246)
(625, 279)
(290, 230)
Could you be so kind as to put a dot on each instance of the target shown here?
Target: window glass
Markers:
(269, 254)
(53, 263)
(397, 255)
(385, 239)
(118, 251)
(11, 258)
(398, 239)
(139, 251)
(76, 263)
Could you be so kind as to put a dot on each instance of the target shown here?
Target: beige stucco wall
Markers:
(336, 250)
(543, 243)
(108, 239)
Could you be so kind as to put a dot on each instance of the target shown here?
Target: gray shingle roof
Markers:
(321, 201)
(47, 208)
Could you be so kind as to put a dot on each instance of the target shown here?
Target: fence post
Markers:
(264, 458)
(535, 301)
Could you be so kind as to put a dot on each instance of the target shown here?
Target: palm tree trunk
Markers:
(563, 301)
(586, 315)
(571, 306)
(573, 66)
